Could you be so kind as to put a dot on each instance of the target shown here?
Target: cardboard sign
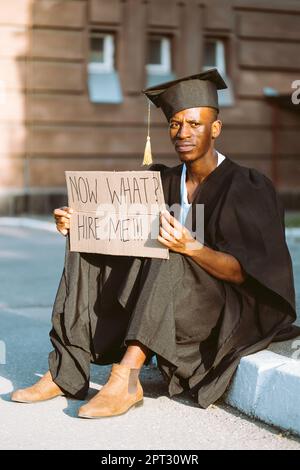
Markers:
(116, 212)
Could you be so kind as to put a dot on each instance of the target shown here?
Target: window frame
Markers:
(165, 67)
(108, 65)
(220, 55)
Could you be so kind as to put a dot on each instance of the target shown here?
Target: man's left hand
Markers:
(175, 236)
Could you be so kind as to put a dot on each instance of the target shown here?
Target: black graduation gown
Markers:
(198, 326)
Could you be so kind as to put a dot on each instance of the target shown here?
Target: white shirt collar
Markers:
(185, 205)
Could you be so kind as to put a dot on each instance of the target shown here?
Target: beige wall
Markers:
(48, 125)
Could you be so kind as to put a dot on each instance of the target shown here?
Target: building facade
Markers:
(72, 72)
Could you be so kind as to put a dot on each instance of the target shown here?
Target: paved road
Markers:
(30, 266)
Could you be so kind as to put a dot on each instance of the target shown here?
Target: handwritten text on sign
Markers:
(116, 212)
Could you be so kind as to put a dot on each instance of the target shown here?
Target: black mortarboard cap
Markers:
(193, 91)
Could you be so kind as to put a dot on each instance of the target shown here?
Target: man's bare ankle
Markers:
(131, 364)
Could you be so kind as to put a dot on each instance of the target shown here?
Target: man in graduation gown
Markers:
(214, 301)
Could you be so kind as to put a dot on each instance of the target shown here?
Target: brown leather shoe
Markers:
(44, 389)
(122, 391)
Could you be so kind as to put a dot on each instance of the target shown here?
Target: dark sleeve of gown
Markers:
(251, 228)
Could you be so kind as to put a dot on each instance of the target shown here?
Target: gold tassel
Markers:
(147, 153)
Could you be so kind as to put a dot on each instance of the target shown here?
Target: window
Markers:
(215, 57)
(159, 62)
(159, 55)
(101, 52)
(103, 79)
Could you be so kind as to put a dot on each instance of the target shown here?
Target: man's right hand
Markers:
(62, 218)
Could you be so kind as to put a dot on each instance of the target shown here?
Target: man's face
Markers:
(192, 131)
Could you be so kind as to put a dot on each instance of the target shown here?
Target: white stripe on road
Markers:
(28, 223)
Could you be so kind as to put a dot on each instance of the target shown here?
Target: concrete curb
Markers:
(267, 386)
